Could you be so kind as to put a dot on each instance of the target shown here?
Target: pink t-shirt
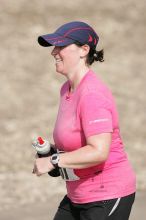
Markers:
(91, 110)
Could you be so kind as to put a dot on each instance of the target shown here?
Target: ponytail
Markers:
(98, 55)
(95, 56)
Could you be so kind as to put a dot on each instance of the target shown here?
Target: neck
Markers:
(76, 76)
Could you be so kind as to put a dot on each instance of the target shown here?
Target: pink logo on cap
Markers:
(95, 41)
(90, 39)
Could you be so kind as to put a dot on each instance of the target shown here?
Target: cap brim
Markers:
(54, 40)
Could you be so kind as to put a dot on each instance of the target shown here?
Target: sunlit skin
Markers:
(70, 61)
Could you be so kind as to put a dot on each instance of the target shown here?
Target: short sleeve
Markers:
(95, 114)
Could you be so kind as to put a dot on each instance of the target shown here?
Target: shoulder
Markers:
(95, 87)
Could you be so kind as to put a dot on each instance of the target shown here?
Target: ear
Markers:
(84, 50)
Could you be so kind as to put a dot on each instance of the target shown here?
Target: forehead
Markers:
(69, 47)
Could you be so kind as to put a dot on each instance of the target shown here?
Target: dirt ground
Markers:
(29, 95)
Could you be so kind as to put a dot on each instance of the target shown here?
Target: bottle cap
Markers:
(40, 140)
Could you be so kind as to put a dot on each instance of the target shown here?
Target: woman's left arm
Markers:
(95, 152)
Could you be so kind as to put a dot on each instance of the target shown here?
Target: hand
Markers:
(42, 166)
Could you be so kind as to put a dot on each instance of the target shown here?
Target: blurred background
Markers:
(30, 88)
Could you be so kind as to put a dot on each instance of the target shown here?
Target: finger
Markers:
(38, 174)
(33, 171)
(36, 156)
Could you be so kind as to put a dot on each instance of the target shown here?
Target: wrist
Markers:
(51, 165)
(54, 159)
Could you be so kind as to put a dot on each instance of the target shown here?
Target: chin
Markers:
(58, 71)
(61, 72)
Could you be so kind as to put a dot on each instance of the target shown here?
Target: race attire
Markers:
(113, 209)
(91, 110)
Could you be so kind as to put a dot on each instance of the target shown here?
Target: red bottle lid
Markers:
(40, 140)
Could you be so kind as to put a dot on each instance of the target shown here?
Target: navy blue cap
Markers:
(70, 33)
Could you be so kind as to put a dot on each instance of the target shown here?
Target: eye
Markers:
(62, 47)
(59, 47)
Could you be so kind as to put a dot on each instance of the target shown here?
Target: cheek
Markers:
(71, 59)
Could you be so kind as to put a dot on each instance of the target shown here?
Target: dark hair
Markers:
(93, 54)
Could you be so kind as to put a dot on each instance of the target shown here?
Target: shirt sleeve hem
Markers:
(98, 132)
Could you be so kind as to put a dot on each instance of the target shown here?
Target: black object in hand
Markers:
(55, 172)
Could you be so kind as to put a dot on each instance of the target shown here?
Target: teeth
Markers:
(58, 60)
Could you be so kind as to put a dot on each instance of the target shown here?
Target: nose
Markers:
(55, 51)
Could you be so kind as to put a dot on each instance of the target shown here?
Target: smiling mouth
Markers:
(58, 60)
